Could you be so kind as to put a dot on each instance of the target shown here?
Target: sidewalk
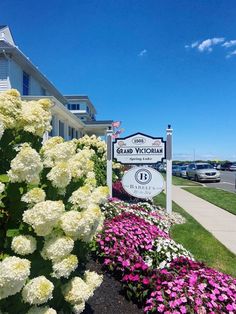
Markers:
(219, 222)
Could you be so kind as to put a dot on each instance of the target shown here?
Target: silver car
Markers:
(181, 171)
(200, 171)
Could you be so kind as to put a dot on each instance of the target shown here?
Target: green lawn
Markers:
(185, 182)
(220, 198)
(200, 242)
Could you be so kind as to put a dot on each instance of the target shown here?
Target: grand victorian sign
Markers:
(139, 149)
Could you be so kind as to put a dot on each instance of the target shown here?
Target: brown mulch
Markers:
(108, 298)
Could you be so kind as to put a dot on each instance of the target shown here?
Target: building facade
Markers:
(72, 115)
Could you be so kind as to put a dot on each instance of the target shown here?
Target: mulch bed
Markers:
(108, 298)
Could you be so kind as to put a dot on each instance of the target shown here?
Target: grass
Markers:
(220, 198)
(185, 182)
(201, 243)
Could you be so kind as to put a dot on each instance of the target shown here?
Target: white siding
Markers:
(35, 87)
(16, 79)
(4, 79)
(16, 76)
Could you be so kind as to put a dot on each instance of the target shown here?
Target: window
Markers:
(76, 134)
(71, 132)
(25, 83)
(73, 107)
(61, 129)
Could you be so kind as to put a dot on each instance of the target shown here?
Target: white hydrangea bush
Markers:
(50, 200)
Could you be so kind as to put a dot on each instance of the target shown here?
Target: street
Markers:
(227, 181)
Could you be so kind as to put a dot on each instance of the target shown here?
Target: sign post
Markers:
(169, 169)
(109, 160)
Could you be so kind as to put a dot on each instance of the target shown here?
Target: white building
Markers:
(72, 116)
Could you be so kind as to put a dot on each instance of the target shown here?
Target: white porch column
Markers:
(55, 125)
(66, 131)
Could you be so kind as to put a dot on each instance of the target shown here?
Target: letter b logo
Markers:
(143, 176)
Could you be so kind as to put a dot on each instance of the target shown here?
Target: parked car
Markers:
(226, 166)
(202, 172)
(232, 167)
(175, 169)
(181, 171)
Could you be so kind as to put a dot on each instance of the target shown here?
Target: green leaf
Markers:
(12, 233)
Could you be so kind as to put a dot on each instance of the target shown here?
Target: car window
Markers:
(204, 166)
(183, 167)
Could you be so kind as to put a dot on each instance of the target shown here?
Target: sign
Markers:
(139, 149)
(143, 182)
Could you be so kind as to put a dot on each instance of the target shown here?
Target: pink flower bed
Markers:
(191, 287)
(185, 287)
(124, 239)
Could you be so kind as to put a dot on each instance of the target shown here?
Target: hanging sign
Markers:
(143, 182)
(139, 149)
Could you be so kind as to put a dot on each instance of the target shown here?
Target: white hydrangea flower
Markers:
(70, 223)
(41, 310)
(23, 244)
(44, 216)
(91, 219)
(58, 153)
(82, 225)
(13, 274)
(81, 163)
(91, 180)
(2, 129)
(79, 308)
(2, 187)
(57, 247)
(92, 279)
(34, 196)
(80, 197)
(35, 116)
(99, 195)
(60, 175)
(26, 166)
(37, 291)
(94, 142)
(10, 108)
(77, 291)
(64, 267)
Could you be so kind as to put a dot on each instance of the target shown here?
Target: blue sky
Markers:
(147, 63)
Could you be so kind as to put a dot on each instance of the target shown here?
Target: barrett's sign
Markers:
(139, 149)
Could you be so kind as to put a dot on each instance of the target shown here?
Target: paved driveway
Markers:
(227, 181)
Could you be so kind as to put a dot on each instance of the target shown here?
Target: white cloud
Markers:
(195, 44)
(231, 54)
(142, 53)
(206, 45)
(229, 43)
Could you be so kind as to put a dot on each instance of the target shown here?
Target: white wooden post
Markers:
(169, 169)
(109, 160)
